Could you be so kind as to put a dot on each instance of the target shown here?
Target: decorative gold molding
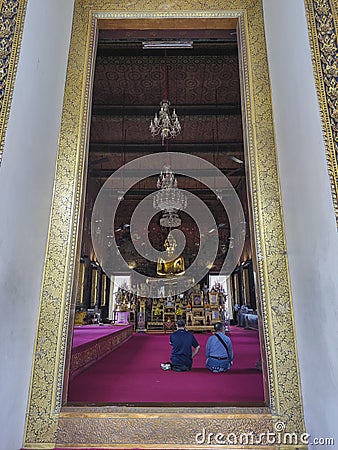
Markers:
(12, 16)
(270, 246)
(80, 426)
(46, 421)
(323, 28)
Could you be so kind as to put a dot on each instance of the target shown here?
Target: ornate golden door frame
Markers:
(121, 427)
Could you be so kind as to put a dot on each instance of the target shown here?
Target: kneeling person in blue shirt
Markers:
(219, 351)
(182, 343)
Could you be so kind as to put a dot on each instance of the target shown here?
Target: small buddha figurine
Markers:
(157, 311)
(167, 266)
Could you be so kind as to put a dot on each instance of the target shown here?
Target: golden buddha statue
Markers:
(167, 266)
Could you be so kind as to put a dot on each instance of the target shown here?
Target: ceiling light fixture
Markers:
(169, 199)
(165, 124)
(167, 44)
(238, 161)
(168, 126)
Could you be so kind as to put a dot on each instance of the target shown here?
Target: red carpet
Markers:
(132, 374)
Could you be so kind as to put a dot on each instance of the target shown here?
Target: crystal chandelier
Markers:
(166, 125)
(169, 199)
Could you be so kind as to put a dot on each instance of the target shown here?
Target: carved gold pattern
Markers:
(323, 28)
(85, 425)
(47, 422)
(12, 15)
(276, 306)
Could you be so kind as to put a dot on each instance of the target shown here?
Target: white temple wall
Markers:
(311, 233)
(26, 183)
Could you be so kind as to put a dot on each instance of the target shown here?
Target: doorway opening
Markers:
(202, 81)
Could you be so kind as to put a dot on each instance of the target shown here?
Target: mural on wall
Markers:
(321, 18)
(12, 14)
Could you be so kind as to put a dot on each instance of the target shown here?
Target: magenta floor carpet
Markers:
(89, 333)
(132, 374)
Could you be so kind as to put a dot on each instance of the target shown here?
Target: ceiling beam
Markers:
(144, 173)
(170, 23)
(116, 49)
(147, 148)
(136, 194)
(182, 110)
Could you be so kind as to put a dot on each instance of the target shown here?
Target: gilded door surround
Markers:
(48, 422)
